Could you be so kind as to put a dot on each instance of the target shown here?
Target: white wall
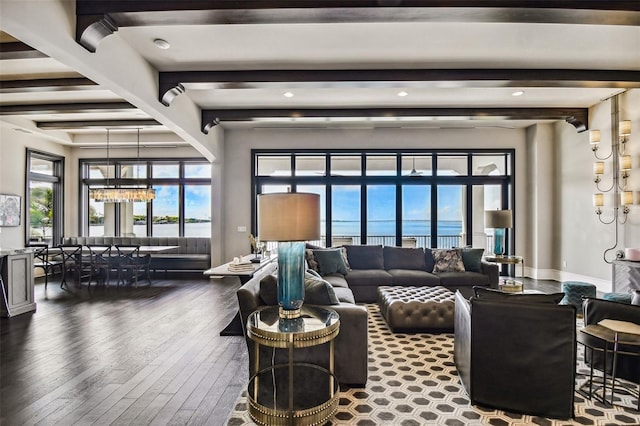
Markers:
(239, 142)
(580, 237)
(13, 162)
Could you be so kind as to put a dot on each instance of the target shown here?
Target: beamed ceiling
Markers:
(385, 63)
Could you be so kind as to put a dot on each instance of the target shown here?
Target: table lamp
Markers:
(499, 220)
(289, 218)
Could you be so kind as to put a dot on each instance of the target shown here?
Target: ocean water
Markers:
(388, 227)
(347, 228)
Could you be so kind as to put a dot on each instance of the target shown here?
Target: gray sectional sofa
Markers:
(192, 254)
(371, 266)
(353, 275)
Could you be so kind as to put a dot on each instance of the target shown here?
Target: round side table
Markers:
(295, 393)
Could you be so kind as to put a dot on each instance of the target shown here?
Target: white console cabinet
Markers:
(17, 282)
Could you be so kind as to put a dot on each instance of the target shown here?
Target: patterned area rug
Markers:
(413, 381)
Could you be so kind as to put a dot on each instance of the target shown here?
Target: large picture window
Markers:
(182, 206)
(420, 198)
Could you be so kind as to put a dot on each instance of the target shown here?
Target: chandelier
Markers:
(123, 195)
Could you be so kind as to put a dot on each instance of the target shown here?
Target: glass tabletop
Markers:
(315, 326)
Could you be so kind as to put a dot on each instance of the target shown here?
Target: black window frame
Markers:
(57, 181)
(149, 181)
(506, 182)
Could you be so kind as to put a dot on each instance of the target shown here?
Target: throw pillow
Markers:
(318, 291)
(404, 258)
(269, 289)
(429, 261)
(330, 261)
(447, 260)
(312, 262)
(472, 259)
(365, 256)
(497, 295)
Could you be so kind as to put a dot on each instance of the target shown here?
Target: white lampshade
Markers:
(598, 168)
(598, 199)
(498, 219)
(594, 136)
(625, 163)
(625, 128)
(289, 216)
(626, 198)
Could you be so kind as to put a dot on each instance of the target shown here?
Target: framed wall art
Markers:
(9, 210)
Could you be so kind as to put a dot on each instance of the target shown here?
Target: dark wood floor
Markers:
(123, 356)
(151, 355)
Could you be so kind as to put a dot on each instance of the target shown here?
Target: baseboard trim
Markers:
(603, 286)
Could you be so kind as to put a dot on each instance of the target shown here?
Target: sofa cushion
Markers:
(344, 295)
(463, 279)
(404, 258)
(410, 277)
(447, 260)
(365, 256)
(336, 280)
(330, 261)
(316, 290)
(368, 277)
(472, 259)
(497, 295)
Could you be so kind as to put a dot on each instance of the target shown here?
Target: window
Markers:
(182, 206)
(422, 198)
(44, 198)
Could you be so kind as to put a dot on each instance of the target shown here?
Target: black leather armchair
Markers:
(595, 310)
(517, 357)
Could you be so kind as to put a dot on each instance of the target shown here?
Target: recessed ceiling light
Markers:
(288, 95)
(517, 93)
(403, 93)
(161, 44)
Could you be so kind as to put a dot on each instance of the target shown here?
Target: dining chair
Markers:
(48, 258)
(100, 264)
(133, 264)
(71, 263)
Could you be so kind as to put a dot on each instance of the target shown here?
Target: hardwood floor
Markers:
(123, 356)
(151, 355)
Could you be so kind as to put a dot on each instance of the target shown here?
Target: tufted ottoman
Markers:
(417, 308)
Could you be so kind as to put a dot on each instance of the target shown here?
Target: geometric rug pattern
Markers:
(413, 381)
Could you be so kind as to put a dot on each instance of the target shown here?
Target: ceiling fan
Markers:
(413, 171)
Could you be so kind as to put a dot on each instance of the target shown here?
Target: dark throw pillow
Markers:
(497, 295)
(269, 290)
(472, 259)
(447, 260)
(330, 261)
(316, 290)
(365, 257)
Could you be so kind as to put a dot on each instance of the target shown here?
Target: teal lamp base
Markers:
(290, 278)
(498, 241)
